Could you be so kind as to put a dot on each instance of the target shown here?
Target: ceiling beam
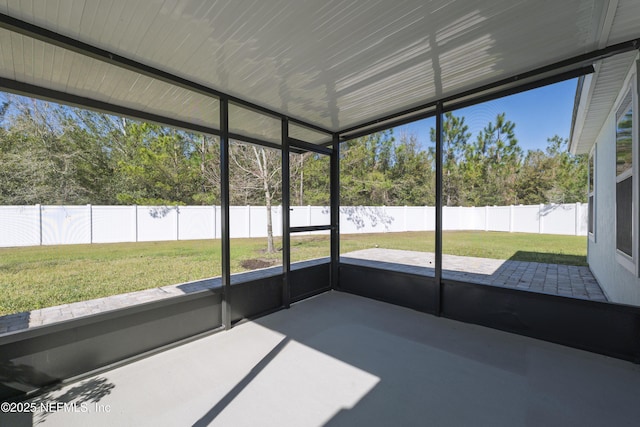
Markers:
(30, 90)
(548, 74)
(475, 95)
(51, 37)
(523, 87)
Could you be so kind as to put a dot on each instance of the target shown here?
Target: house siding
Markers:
(619, 283)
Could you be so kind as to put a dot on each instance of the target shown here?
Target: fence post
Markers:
(384, 209)
(404, 213)
(309, 215)
(486, 218)
(177, 223)
(475, 218)
(39, 217)
(90, 208)
(248, 220)
(135, 223)
(577, 219)
(215, 221)
(510, 218)
(540, 218)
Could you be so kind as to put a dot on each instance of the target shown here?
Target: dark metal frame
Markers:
(389, 121)
(475, 95)
(436, 290)
(306, 146)
(286, 216)
(287, 230)
(438, 233)
(429, 110)
(27, 89)
(335, 212)
(306, 228)
(542, 76)
(609, 329)
(224, 208)
(251, 140)
(520, 87)
(56, 39)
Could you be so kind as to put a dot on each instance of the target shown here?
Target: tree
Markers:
(364, 166)
(207, 161)
(412, 173)
(45, 157)
(155, 167)
(257, 174)
(455, 135)
(54, 154)
(297, 164)
(553, 176)
(312, 176)
(492, 164)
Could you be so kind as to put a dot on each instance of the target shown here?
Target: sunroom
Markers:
(332, 340)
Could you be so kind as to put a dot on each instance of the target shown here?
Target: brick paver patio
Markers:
(557, 279)
(564, 280)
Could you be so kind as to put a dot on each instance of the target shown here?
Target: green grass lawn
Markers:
(44, 276)
(548, 248)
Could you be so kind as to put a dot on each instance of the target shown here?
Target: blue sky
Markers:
(538, 114)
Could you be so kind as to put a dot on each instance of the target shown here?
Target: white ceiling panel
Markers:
(246, 122)
(331, 63)
(305, 134)
(44, 65)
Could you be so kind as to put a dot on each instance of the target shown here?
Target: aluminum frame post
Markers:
(335, 212)
(438, 234)
(286, 217)
(224, 213)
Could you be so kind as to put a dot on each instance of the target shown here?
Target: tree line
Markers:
(53, 154)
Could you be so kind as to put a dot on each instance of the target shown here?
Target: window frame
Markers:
(591, 193)
(629, 90)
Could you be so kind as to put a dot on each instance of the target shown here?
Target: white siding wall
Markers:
(619, 284)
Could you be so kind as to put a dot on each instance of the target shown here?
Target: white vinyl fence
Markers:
(60, 225)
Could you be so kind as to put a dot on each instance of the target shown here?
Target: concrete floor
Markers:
(339, 359)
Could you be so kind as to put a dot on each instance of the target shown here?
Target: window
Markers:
(591, 194)
(624, 177)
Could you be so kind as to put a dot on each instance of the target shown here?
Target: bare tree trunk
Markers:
(203, 158)
(270, 246)
(261, 158)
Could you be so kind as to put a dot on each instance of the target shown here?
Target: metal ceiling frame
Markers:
(574, 67)
(51, 37)
(27, 89)
(558, 71)
(522, 81)
(577, 65)
(449, 299)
